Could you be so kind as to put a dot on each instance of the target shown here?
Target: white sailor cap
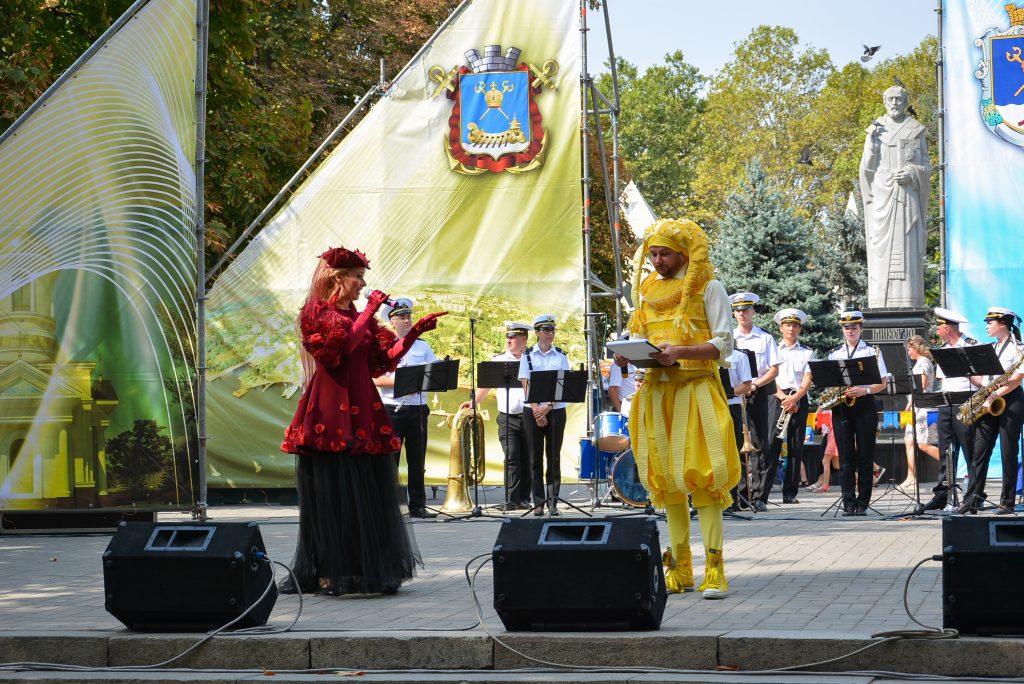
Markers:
(543, 319)
(399, 306)
(948, 316)
(513, 328)
(743, 300)
(851, 316)
(997, 312)
(790, 316)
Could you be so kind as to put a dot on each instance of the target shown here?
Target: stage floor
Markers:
(795, 577)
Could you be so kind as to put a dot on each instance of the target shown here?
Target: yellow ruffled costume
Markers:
(680, 426)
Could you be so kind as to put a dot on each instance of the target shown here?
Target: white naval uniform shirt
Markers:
(625, 382)
(516, 396)
(418, 355)
(553, 359)
(766, 350)
(794, 365)
(955, 384)
(739, 372)
(862, 350)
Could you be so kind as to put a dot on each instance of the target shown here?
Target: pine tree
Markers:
(841, 255)
(764, 247)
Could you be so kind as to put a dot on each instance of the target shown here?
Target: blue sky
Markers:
(643, 31)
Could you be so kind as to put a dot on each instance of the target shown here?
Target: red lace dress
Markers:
(354, 536)
(340, 409)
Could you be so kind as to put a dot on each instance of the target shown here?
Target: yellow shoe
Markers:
(678, 572)
(714, 586)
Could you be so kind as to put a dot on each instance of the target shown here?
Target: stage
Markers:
(802, 588)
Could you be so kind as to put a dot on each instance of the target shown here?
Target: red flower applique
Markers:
(373, 447)
(386, 430)
(340, 432)
(377, 406)
(316, 338)
(343, 408)
(395, 443)
(309, 407)
(361, 433)
(319, 428)
(354, 409)
(335, 446)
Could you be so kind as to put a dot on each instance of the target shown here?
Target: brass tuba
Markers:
(461, 473)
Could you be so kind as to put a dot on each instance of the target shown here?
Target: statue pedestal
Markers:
(893, 325)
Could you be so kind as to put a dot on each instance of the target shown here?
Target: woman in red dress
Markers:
(354, 533)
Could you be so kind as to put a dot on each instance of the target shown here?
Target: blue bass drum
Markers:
(588, 462)
(613, 433)
(625, 481)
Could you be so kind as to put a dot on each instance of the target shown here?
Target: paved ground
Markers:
(789, 569)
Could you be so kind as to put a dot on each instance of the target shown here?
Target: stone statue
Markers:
(894, 173)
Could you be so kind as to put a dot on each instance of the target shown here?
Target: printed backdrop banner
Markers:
(462, 185)
(984, 95)
(97, 278)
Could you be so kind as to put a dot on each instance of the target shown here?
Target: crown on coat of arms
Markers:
(1016, 14)
(492, 59)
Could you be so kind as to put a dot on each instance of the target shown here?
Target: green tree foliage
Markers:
(139, 459)
(765, 247)
(659, 130)
(756, 109)
(841, 256)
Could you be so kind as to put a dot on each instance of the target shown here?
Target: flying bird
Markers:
(897, 81)
(805, 156)
(869, 52)
(911, 112)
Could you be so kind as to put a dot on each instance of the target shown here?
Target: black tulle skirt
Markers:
(355, 536)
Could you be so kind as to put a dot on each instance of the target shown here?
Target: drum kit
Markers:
(607, 459)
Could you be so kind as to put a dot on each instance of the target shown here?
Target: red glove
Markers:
(374, 301)
(427, 323)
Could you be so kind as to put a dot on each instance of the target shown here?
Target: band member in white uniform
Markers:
(793, 383)
(621, 384)
(544, 422)
(1002, 324)
(739, 379)
(511, 432)
(951, 431)
(408, 413)
(855, 426)
(766, 352)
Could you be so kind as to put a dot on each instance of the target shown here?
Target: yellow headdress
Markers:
(682, 236)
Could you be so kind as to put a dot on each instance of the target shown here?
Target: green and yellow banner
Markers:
(462, 185)
(97, 277)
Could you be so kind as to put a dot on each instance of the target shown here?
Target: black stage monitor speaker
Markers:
(982, 565)
(187, 577)
(593, 574)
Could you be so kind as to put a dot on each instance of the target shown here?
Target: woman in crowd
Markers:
(354, 536)
(927, 434)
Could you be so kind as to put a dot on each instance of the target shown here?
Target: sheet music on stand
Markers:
(862, 370)
(498, 374)
(439, 376)
(557, 385)
(961, 362)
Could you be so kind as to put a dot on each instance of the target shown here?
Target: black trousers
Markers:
(512, 436)
(759, 412)
(737, 427)
(1008, 428)
(855, 427)
(410, 423)
(794, 457)
(961, 437)
(545, 442)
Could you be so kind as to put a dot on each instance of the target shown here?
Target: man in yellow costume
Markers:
(680, 426)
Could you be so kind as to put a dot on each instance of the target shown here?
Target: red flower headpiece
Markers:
(339, 257)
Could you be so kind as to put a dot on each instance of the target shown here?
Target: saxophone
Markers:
(832, 396)
(974, 408)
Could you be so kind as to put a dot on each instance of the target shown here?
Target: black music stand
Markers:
(862, 370)
(944, 400)
(899, 382)
(438, 376)
(500, 375)
(962, 362)
(553, 386)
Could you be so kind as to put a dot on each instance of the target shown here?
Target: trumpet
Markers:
(748, 446)
(782, 424)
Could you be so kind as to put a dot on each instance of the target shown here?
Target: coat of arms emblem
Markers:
(1001, 73)
(495, 124)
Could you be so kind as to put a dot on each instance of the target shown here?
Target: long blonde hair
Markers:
(918, 344)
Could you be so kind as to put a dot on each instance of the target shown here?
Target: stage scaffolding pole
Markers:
(202, 43)
(588, 318)
(941, 112)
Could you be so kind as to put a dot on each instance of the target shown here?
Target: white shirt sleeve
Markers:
(771, 351)
(524, 368)
(720, 322)
(615, 375)
(428, 355)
